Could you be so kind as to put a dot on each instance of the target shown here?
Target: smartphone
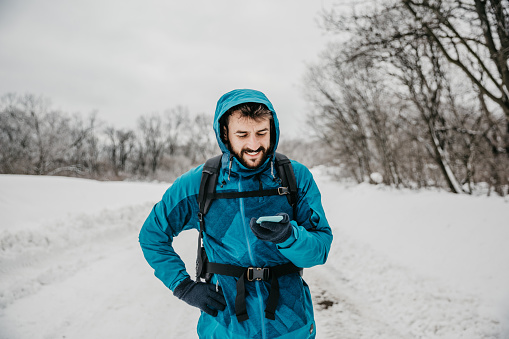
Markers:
(273, 218)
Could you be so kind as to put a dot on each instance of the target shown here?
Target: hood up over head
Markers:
(240, 96)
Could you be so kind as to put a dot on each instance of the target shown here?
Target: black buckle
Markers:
(283, 190)
(257, 273)
(200, 216)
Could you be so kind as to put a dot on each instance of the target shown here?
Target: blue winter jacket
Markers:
(228, 238)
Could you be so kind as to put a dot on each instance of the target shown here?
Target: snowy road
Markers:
(102, 288)
(87, 278)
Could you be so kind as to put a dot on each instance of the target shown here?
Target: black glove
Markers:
(201, 295)
(276, 232)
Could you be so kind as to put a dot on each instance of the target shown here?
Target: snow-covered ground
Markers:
(404, 264)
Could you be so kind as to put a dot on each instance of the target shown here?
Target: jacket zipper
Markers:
(251, 258)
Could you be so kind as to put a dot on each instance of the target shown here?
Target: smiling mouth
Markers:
(251, 153)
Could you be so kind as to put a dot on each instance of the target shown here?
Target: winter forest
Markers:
(405, 131)
(415, 92)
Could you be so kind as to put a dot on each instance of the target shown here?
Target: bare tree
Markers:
(35, 139)
(414, 42)
(81, 155)
(49, 133)
(38, 140)
(337, 121)
(201, 145)
(423, 75)
(367, 93)
(177, 126)
(15, 137)
(91, 145)
(474, 36)
(152, 140)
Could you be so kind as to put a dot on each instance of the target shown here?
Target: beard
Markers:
(245, 159)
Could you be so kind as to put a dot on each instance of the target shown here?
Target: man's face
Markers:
(249, 139)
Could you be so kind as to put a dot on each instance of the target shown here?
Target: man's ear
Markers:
(225, 133)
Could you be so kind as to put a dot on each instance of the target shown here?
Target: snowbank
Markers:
(27, 201)
(403, 263)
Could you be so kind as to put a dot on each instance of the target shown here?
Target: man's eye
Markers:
(262, 133)
(241, 135)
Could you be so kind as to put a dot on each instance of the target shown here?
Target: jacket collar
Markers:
(231, 166)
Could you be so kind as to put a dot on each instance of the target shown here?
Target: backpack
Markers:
(207, 194)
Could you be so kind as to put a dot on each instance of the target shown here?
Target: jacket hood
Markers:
(234, 98)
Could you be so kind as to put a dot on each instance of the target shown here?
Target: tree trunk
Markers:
(442, 159)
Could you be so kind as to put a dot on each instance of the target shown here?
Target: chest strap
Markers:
(251, 194)
(251, 274)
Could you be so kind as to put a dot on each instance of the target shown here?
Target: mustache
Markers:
(261, 148)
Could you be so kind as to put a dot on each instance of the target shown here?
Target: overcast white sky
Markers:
(129, 58)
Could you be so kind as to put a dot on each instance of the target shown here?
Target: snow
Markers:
(39, 199)
(376, 177)
(403, 264)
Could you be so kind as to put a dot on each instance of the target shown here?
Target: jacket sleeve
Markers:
(177, 211)
(310, 242)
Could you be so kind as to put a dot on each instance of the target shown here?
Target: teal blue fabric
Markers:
(229, 240)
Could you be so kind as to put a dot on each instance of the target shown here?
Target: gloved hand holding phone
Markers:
(275, 229)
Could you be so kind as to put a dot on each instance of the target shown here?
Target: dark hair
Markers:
(252, 110)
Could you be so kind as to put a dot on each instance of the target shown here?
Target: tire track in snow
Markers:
(114, 296)
(30, 259)
(371, 298)
(91, 281)
(97, 285)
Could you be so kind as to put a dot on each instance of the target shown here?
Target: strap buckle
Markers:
(257, 273)
(283, 190)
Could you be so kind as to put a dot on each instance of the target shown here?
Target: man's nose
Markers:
(253, 142)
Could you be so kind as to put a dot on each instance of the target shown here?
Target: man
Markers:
(256, 290)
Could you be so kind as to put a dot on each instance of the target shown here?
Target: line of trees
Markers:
(418, 91)
(36, 139)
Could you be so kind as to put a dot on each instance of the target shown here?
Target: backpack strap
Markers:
(285, 171)
(208, 182)
(207, 194)
(249, 274)
(210, 173)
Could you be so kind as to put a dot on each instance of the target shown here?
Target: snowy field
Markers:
(403, 264)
